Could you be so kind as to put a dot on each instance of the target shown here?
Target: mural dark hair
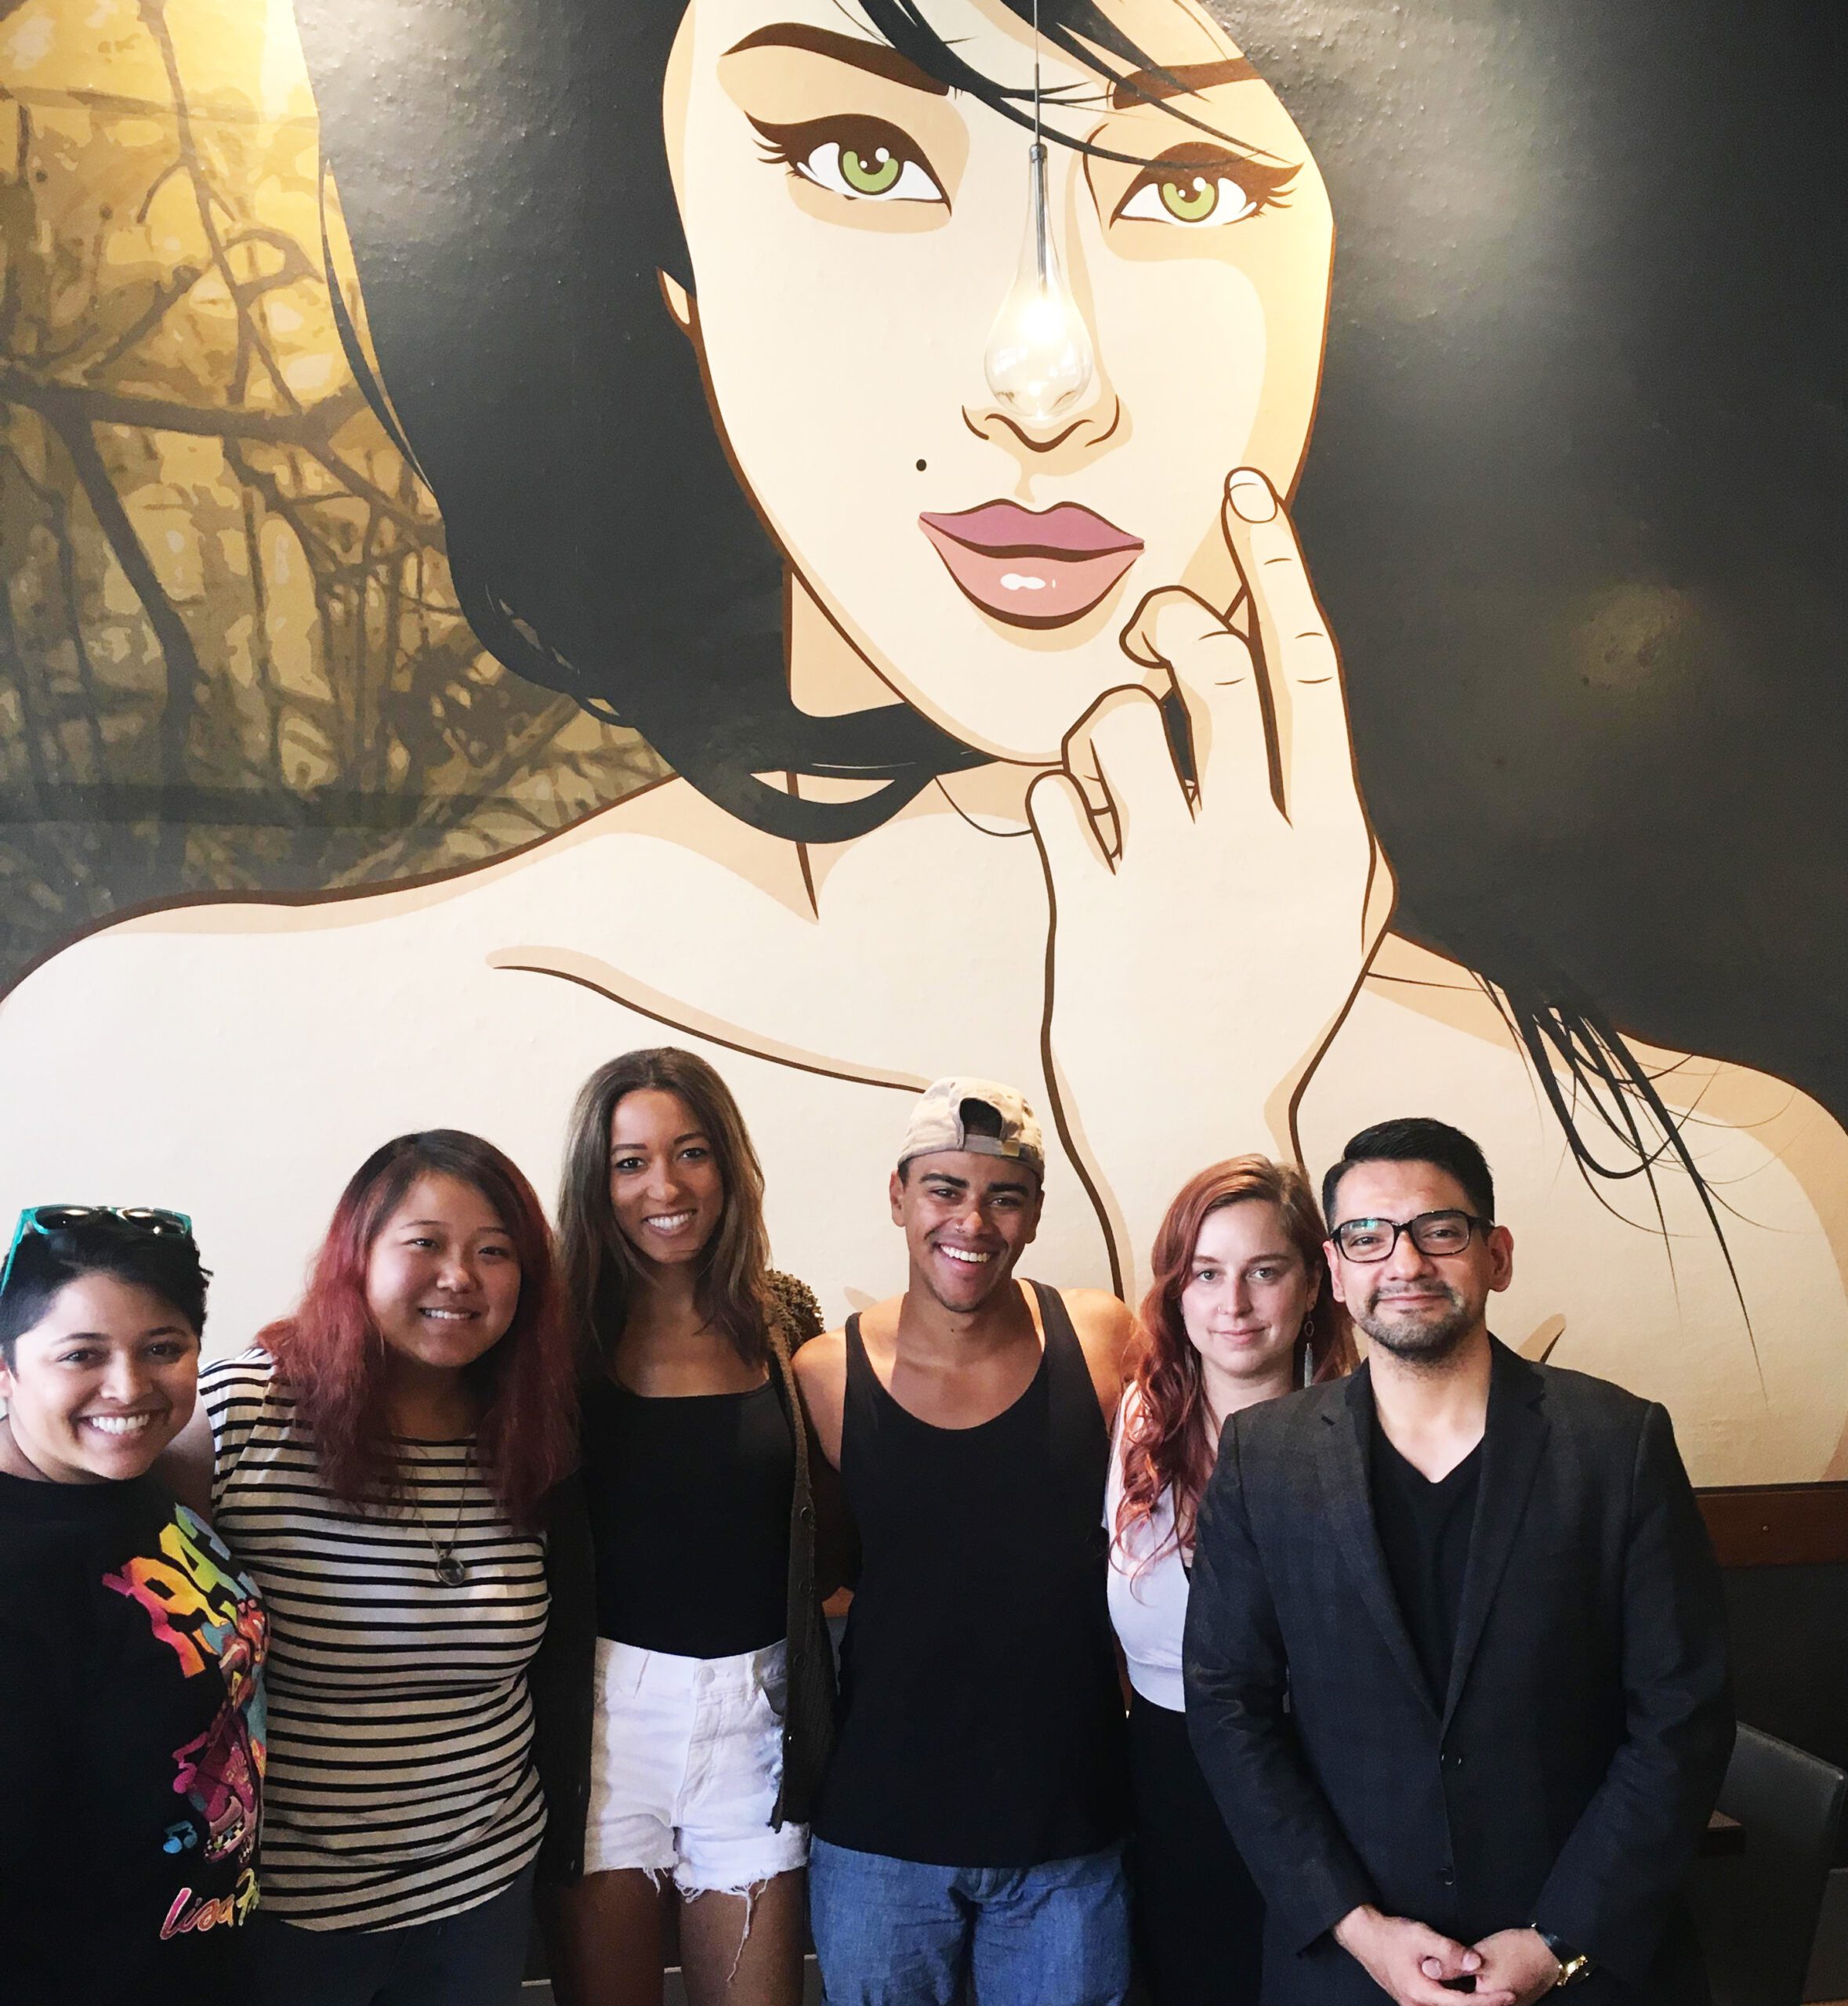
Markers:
(43, 1263)
(1167, 1446)
(330, 1353)
(1416, 1139)
(601, 1267)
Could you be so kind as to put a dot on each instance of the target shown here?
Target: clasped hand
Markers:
(1410, 1961)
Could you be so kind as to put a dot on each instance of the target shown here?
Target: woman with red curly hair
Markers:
(1239, 1311)
(380, 1462)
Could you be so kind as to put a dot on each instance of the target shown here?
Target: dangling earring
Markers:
(1307, 1374)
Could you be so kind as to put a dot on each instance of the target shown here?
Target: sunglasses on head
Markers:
(149, 1219)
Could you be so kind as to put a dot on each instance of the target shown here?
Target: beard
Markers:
(1429, 1341)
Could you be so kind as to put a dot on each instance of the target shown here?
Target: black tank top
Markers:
(982, 1723)
(689, 1502)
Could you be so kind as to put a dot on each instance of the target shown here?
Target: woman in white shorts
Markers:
(713, 1707)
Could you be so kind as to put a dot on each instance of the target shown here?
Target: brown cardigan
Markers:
(562, 1676)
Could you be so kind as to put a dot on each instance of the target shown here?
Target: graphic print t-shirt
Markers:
(131, 1703)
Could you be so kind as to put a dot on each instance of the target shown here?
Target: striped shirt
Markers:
(400, 1786)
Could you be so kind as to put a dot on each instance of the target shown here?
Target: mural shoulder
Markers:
(1787, 1121)
(1743, 1123)
(675, 812)
(716, 849)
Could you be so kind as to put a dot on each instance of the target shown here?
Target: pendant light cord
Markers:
(1041, 230)
(1036, 139)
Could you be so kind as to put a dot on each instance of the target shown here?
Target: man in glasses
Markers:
(1454, 1654)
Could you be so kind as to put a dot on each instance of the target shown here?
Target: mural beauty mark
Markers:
(1009, 746)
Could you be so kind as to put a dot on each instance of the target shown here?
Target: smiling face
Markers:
(967, 1218)
(442, 1276)
(101, 1384)
(1420, 1307)
(665, 1187)
(853, 226)
(1246, 1294)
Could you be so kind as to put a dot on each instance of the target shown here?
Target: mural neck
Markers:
(829, 676)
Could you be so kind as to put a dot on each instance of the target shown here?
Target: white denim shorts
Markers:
(686, 1757)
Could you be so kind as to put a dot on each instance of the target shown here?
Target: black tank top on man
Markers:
(689, 1502)
(982, 1722)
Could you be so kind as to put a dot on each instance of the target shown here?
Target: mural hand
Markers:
(1310, 746)
(1208, 932)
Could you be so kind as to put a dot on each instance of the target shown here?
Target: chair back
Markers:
(1756, 1911)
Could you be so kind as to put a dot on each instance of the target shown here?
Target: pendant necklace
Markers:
(449, 1571)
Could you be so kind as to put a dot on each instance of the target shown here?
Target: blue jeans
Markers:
(473, 1959)
(894, 1932)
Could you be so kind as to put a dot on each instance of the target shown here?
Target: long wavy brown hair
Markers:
(1168, 1444)
(601, 1268)
(330, 1355)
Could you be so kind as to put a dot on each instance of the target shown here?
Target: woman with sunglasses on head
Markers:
(131, 1647)
(1238, 1312)
(381, 1461)
(714, 1692)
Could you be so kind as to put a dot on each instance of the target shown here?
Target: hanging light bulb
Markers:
(1038, 356)
(1039, 350)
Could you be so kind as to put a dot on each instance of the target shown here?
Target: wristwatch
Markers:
(1573, 1964)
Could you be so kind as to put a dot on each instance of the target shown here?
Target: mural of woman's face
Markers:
(853, 227)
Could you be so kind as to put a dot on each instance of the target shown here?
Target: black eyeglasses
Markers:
(1432, 1233)
(150, 1219)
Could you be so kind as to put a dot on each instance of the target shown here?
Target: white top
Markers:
(1148, 1599)
(401, 1786)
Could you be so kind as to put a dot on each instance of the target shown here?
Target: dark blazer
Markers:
(562, 1678)
(1565, 1777)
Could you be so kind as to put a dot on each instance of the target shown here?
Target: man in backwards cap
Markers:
(973, 1817)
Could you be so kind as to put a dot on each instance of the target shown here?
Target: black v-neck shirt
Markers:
(1424, 1532)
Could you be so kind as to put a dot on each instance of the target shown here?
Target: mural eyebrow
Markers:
(1150, 86)
(874, 56)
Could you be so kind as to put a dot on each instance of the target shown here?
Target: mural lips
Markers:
(1032, 568)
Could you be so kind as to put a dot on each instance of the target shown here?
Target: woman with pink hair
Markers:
(382, 1462)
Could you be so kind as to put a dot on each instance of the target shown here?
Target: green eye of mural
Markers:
(870, 176)
(1191, 200)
